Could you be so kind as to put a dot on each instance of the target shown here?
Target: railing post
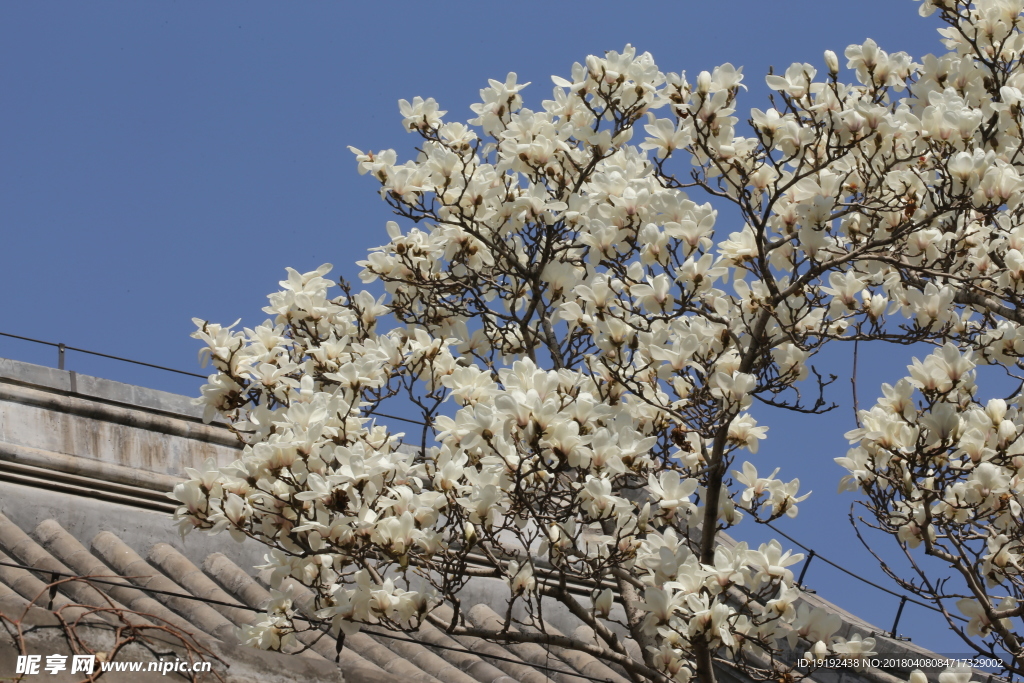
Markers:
(60, 356)
(803, 571)
(899, 613)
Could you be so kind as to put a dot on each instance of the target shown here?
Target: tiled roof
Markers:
(159, 574)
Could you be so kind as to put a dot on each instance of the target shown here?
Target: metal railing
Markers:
(811, 552)
(63, 348)
(904, 599)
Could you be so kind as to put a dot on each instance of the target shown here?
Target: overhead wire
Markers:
(846, 571)
(813, 553)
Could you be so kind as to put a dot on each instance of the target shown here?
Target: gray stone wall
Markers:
(46, 412)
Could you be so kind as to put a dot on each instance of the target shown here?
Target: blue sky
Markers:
(163, 161)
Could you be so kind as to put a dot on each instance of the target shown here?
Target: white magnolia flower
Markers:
(586, 343)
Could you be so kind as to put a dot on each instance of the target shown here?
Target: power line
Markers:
(62, 347)
(812, 553)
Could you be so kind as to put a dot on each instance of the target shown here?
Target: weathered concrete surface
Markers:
(56, 412)
(70, 382)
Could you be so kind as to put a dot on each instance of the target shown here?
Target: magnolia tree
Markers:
(587, 350)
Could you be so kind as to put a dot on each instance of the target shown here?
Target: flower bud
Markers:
(603, 603)
(645, 517)
(703, 82)
(832, 62)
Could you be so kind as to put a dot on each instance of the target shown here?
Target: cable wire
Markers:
(824, 559)
(151, 365)
(901, 596)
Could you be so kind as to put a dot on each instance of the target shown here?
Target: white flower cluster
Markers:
(586, 349)
(945, 471)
